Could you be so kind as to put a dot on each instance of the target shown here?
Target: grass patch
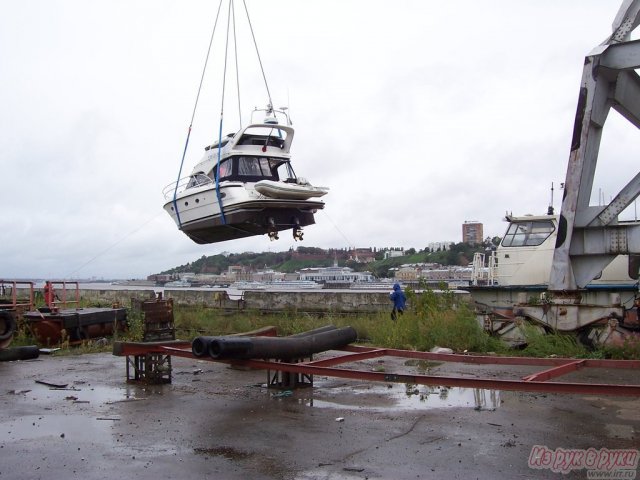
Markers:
(453, 328)
(553, 344)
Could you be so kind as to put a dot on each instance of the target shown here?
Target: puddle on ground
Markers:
(321, 474)
(75, 428)
(393, 397)
(86, 393)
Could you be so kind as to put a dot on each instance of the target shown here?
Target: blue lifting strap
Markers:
(224, 220)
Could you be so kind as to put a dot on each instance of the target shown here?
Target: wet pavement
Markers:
(214, 421)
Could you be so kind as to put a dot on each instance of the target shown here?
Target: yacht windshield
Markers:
(528, 234)
(197, 180)
(252, 169)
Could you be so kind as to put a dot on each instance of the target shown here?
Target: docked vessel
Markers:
(243, 186)
(177, 284)
(525, 255)
(247, 285)
(294, 285)
(512, 285)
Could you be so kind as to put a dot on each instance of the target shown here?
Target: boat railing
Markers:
(9, 295)
(69, 294)
(484, 272)
(185, 183)
(493, 269)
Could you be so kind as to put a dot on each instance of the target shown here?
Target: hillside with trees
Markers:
(305, 257)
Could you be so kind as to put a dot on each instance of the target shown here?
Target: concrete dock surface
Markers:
(214, 421)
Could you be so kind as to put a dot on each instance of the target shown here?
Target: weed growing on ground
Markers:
(552, 344)
(134, 326)
(430, 327)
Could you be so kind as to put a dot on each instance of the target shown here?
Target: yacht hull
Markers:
(246, 219)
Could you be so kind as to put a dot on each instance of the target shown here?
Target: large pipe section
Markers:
(282, 348)
(200, 345)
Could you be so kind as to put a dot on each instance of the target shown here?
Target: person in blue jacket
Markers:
(399, 300)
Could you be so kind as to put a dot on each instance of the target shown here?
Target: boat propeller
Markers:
(297, 230)
(273, 231)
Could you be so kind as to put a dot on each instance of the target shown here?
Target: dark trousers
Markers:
(395, 312)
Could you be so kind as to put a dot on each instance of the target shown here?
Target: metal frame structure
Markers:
(158, 325)
(13, 286)
(545, 380)
(590, 237)
(64, 302)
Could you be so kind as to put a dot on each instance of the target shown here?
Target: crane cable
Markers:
(235, 48)
(193, 115)
(230, 16)
(224, 83)
(255, 43)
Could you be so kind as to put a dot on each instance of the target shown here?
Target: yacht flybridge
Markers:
(243, 186)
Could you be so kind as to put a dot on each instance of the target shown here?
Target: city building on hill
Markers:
(439, 246)
(267, 275)
(393, 253)
(472, 232)
(362, 255)
(236, 273)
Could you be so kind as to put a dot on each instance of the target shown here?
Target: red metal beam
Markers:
(353, 357)
(533, 383)
(485, 383)
(555, 372)
(497, 360)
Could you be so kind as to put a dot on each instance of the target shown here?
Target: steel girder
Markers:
(589, 237)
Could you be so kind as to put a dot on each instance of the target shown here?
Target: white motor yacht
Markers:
(244, 186)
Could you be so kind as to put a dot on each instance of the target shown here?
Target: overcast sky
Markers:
(417, 114)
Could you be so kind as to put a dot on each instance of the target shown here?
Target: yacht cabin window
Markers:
(252, 169)
(226, 170)
(528, 234)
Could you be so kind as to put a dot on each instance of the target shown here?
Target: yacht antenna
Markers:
(550, 209)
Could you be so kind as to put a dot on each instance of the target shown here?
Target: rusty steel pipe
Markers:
(283, 348)
(200, 345)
